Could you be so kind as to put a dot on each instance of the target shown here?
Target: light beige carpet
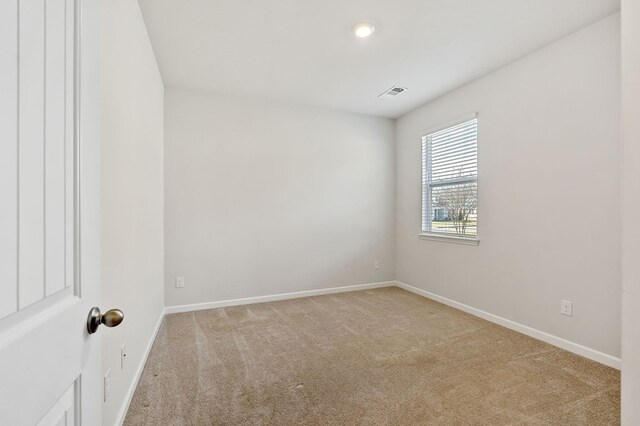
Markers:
(374, 357)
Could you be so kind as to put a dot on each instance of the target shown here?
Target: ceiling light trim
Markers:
(363, 30)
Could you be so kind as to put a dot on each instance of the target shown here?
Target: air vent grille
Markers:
(392, 91)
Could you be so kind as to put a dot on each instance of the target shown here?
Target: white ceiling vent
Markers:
(391, 92)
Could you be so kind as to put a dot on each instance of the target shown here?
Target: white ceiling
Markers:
(302, 51)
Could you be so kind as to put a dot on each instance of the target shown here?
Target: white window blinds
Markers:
(449, 180)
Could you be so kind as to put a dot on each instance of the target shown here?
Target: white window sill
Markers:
(454, 239)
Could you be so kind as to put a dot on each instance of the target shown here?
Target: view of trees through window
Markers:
(454, 209)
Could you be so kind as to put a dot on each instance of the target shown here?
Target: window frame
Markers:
(425, 188)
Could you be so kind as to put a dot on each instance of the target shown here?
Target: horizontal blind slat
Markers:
(457, 143)
(470, 133)
(461, 157)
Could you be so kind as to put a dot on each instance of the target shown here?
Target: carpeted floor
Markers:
(374, 357)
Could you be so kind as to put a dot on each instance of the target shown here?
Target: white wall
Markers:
(264, 198)
(630, 208)
(549, 153)
(132, 229)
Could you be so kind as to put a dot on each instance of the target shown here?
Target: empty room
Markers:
(298, 212)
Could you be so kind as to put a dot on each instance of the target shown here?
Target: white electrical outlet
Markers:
(376, 264)
(123, 356)
(179, 282)
(107, 384)
(566, 308)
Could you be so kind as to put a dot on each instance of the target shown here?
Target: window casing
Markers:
(450, 181)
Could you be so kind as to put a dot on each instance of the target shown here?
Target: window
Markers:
(450, 181)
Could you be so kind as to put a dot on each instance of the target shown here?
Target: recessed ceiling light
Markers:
(363, 29)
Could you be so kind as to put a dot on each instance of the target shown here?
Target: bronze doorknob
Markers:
(111, 318)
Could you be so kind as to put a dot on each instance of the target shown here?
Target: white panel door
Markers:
(49, 212)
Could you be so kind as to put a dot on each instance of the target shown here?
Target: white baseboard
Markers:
(136, 378)
(565, 344)
(274, 297)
